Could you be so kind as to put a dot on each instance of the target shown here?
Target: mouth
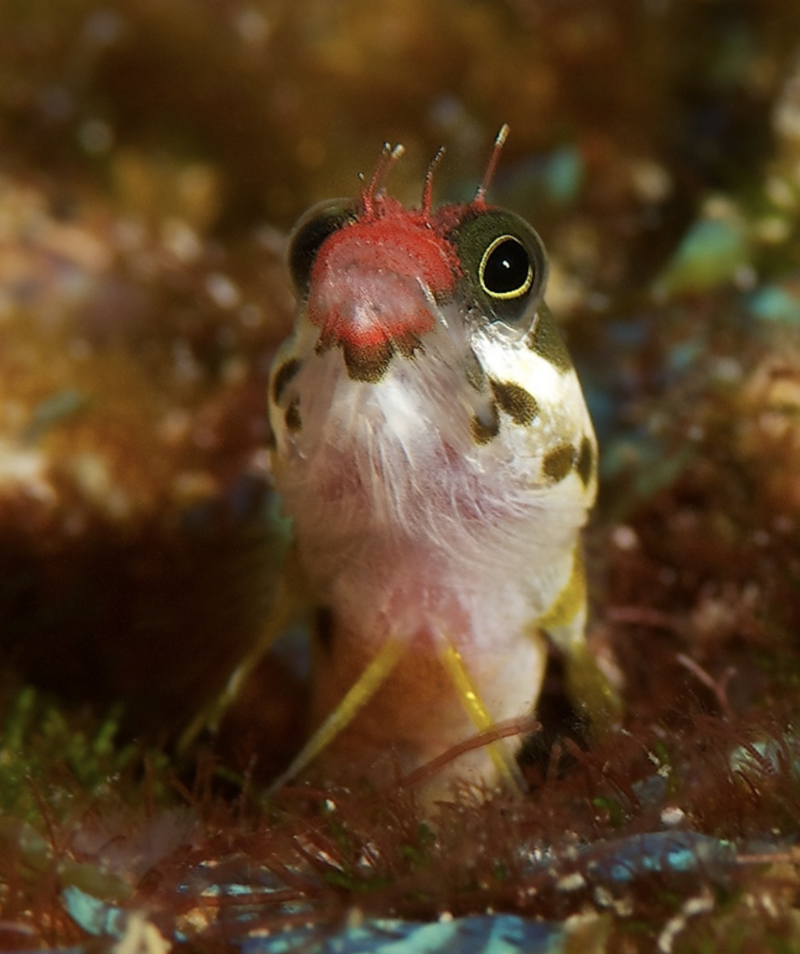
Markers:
(372, 315)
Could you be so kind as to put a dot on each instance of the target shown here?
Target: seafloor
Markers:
(152, 158)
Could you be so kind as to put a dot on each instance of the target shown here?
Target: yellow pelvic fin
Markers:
(290, 604)
(589, 689)
(356, 698)
(504, 762)
(571, 600)
(587, 686)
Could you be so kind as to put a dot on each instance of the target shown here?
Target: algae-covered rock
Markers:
(135, 535)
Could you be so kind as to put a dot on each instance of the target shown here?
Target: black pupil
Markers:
(506, 268)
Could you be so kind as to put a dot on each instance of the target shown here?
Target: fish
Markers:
(434, 452)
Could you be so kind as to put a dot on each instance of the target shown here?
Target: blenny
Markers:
(433, 449)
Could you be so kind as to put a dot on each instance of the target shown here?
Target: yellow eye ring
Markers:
(499, 272)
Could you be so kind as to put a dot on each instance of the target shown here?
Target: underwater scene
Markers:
(174, 632)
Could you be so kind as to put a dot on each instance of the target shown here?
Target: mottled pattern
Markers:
(285, 373)
(519, 404)
(368, 364)
(585, 464)
(292, 416)
(483, 432)
(558, 462)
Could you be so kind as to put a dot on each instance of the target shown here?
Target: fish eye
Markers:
(504, 263)
(310, 232)
(506, 270)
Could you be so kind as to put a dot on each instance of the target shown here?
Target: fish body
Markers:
(434, 451)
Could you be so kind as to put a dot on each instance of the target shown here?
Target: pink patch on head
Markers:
(373, 281)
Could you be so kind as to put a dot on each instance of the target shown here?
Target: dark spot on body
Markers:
(545, 340)
(292, 416)
(485, 431)
(518, 403)
(558, 462)
(283, 376)
(368, 363)
(585, 464)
